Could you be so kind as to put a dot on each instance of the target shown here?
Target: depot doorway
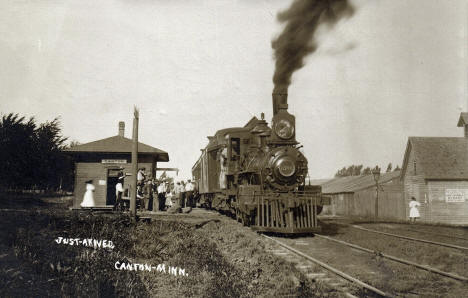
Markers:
(112, 179)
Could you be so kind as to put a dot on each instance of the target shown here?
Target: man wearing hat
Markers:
(148, 194)
(162, 196)
(189, 193)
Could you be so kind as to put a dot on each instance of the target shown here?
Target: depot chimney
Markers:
(122, 129)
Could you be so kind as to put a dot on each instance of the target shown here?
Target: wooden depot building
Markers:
(102, 160)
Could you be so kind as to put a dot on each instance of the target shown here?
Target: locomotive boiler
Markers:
(257, 172)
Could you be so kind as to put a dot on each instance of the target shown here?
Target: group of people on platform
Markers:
(158, 195)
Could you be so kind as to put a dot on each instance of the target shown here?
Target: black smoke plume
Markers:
(296, 41)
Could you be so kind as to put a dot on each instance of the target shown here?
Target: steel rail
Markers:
(328, 267)
(410, 238)
(437, 234)
(427, 268)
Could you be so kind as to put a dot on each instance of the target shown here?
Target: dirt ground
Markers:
(201, 254)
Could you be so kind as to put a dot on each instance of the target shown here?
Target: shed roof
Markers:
(444, 158)
(354, 183)
(309, 181)
(118, 144)
(463, 120)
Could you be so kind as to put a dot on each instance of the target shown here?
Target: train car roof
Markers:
(250, 124)
(226, 131)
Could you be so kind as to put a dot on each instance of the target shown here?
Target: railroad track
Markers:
(449, 245)
(333, 277)
(411, 238)
(437, 234)
(396, 259)
(300, 251)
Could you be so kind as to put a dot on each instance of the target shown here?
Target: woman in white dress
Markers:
(414, 212)
(88, 198)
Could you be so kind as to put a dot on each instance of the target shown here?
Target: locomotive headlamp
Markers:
(284, 129)
(286, 167)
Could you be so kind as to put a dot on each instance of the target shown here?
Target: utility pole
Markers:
(134, 164)
(376, 174)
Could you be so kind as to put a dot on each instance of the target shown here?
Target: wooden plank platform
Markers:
(96, 208)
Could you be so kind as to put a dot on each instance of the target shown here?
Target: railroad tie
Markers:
(315, 275)
(325, 279)
(301, 243)
(303, 266)
(336, 284)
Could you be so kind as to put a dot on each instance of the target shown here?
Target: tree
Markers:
(73, 144)
(397, 168)
(389, 168)
(367, 171)
(17, 142)
(50, 144)
(31, 156)
(356, 170)
(352, 170)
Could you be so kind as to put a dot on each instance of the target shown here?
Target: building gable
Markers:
(437, 157)
(463, 120)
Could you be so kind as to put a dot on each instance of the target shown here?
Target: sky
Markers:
(394, 69)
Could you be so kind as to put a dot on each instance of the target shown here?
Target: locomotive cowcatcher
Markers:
(258, 173)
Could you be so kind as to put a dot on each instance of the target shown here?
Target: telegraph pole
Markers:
(376, 174)
(134, 164)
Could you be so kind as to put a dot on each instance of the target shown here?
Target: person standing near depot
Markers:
(119, 192)
(88, 198)
(162, 196)
(189, 193)
(414, 212)
(183, 195)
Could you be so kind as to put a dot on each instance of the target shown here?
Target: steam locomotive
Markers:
(258, 173)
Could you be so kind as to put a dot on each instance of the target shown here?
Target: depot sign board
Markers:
(455, 195)
(114, 161)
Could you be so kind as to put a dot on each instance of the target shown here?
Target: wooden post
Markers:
(377, 200)
(134, 164)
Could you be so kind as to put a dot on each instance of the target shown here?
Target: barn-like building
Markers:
(355, 196)
(102, 160)
(435, 172)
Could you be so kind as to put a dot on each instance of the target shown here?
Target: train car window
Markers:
(235, 148)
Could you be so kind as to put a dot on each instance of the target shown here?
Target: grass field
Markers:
(219, 258)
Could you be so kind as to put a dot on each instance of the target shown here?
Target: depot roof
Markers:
(118, 144)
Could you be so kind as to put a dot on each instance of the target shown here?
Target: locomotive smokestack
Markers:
(280, 100)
